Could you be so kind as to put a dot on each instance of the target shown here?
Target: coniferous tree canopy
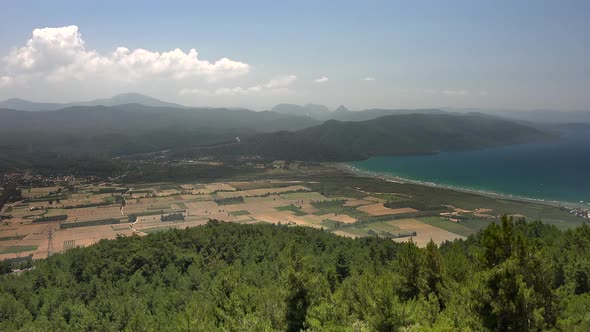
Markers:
(512, 276)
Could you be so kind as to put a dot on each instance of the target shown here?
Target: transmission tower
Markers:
(50, 243)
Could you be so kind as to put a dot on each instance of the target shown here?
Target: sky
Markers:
(363, 54)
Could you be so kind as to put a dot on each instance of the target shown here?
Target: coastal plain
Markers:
(55, 219)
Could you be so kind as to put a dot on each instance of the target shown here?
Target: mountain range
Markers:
(128, 129)
(316, 112)
(121, 99)
(323, 113)
(141, 118)
(401, 134)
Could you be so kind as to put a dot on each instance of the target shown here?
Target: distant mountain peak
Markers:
(131, 98)
(342, 108)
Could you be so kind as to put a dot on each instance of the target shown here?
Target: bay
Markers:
(556, 171)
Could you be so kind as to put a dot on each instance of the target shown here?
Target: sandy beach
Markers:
(345, 167)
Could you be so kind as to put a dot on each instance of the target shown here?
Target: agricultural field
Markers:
(377, 209)
(56, 219)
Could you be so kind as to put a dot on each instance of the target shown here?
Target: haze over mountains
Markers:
(342, 113)
(132, 123)
(387, 135)
(122, 130)
(121, 99)
(543, 116)
(317, 112)
(140, 118)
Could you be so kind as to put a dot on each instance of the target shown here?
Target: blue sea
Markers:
(557, 171)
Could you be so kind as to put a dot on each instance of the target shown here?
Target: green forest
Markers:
(511, 276)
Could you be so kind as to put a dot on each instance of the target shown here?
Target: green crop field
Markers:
(391, 197)
(291, 208)
(303, 195)
(17, 249)
(110, 221)
(384, 227)
(157, 230)
(454, 227)
(329, 223)
(15, 237)
(336, 206)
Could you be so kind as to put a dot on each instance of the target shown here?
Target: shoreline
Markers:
(346, 167)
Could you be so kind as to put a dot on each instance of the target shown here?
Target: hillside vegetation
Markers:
(105, 132)
(389, 135)
(512, 276)
(136, 117)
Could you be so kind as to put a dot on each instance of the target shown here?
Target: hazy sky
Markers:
(488, 54)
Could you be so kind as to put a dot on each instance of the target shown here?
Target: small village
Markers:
(582, 213)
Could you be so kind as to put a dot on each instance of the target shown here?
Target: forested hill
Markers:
(513, 276)
(133, 128)
(105, 132)
(390, 135)
(140, 118)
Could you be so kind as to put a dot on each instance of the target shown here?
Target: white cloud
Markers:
(60, 54)
(277, 84)
(368, 79)
(195, 91)
(322, 79)
(459, 93)
(5, 81)
(280, 82)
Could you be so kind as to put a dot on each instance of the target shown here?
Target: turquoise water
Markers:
(558, 171)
